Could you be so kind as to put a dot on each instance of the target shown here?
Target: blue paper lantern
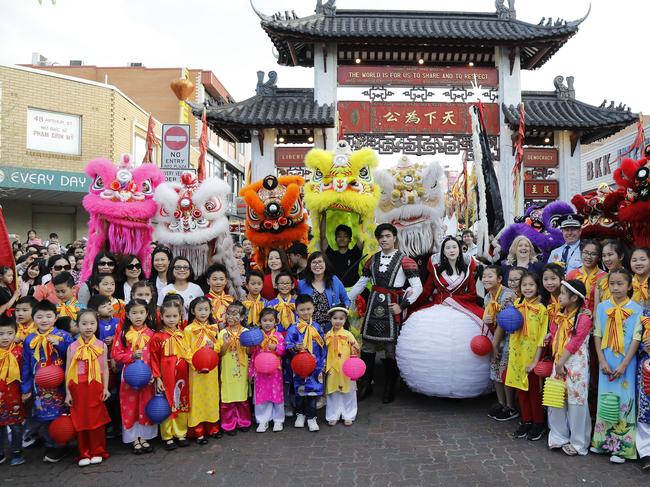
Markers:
(252, 337)
(510, 319)
(158, 409)
(137, 374)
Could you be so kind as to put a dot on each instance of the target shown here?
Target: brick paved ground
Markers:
(416, 441)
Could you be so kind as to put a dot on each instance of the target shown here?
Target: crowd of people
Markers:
(585, 308)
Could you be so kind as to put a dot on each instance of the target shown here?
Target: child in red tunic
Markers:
(86, 389)
(130, 345)
(169, 355)
(12, 413)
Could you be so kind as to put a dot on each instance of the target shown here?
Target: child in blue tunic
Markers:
(617, 335)
(47, 346)
(307, 336)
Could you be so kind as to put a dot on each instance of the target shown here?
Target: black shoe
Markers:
(217, 435)
(54, 455)
(202, 441)
(645, 464)
(244, 429)
(392, 375)
(230, 433)
(495, 410)
(182, 442)
(536, 432)
(522, 431)
(169, 445)
(506, 414)
(365, 382)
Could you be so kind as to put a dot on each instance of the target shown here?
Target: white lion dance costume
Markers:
(192, 222)
(412, 200)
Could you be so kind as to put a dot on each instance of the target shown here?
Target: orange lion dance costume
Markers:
(275, 215)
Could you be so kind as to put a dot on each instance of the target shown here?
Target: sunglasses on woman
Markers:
(133, 267)
(62, 267)
(108, 263)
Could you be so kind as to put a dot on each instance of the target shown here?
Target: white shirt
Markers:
(127, 292)
(471, 251)
(192, 292)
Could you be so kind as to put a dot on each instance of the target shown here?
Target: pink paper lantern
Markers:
(354, 368)
(266, 363)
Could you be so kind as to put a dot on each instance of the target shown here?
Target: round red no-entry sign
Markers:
(176, 138)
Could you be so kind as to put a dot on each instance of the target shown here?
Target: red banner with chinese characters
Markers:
(417, 76)
(541, 189)
(542, 157)
(363, 117)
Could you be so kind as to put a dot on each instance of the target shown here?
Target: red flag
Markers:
(6, 252)
(203, 147)
(151, 141)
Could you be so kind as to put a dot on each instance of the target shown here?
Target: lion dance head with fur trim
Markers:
(412, 200)
(342, 191)
(120, 204)
(275, 215)
(192, 222)
(633, 177)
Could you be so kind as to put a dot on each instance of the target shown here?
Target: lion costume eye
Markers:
(295, 209)
(318, 176)
(147, 187)
(98, 184)
(252, 215)
(364, 173)
(212, 205)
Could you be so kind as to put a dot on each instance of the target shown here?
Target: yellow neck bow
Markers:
(493, 306)
(24, 331)
(137, 339)
(90, 353)
(613, 337)
(175, 344)
(334, 341)
(204, 331)
(286, 312)
(9, 368)
(587, 278)
(69, 309)
(527, 307)
(311, 334)
(254, 307)
(234, 345)
(40, 342)
(640, 289)
(269, 338)
(219, 302)
(564, 325)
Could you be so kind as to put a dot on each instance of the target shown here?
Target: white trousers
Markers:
(643, 439)
(268, 411)
(144, 431)
(341, 405)
(571, 424)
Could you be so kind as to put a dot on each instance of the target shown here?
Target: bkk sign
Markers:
(18, 177)
(53, 132)
(413, 118)
(417, 76)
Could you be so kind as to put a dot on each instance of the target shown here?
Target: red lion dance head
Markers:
(275, 216)
(600, 211)
(120, 204)
(634, 178)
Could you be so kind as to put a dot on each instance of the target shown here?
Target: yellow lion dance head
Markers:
(342, 190)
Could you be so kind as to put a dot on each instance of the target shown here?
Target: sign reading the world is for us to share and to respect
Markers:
(417, 76)
(175, 151)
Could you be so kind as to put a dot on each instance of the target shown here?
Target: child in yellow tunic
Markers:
(203, 417)
(340, 390)
(526, 346)
(217, 279)
(235, 411)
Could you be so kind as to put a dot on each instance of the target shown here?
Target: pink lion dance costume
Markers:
(121, 206)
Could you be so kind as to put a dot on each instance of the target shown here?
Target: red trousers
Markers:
(203, 429)
(530, 401)
(92, 443)
(235, 415)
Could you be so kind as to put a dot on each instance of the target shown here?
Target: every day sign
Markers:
(17, 177)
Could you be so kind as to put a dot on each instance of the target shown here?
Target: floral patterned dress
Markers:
(618, 438)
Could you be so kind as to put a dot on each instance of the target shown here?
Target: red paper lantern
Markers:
(266, 363)
(62, 430)
(303, 364)
(354, 367)
(481, 345)
(49, 377)
(205, 359)
(544, 368)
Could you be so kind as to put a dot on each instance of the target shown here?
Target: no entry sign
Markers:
(175, 146)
